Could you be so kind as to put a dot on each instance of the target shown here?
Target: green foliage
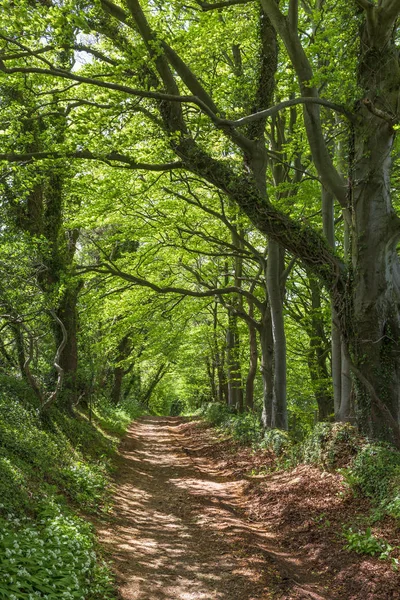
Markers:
(115, 419)
(375, 473)
(215, 413)
(330, 445)
(245, 428)
(364, 542)
(45, 551)
(30, 454)
(276, 440)
(85, 483)
(53, 558)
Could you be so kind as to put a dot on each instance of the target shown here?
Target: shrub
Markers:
(85, 483)
(375, 473)
(115, 419)
(177, 407)
(330, 445)
(276, 440)
(215, 413)
(245, 428)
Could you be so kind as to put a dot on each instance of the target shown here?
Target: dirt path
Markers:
(179, 530)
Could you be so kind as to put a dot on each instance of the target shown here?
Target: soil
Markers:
(193, 520)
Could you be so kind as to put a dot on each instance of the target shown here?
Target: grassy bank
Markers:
(54, 469)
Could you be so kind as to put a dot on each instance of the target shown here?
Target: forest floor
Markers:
(192, 520)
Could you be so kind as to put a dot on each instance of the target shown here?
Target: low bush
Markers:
(177, 407)
(375, 473)
(276, 440)
(245, 428)
(215, 413)
(330, 445)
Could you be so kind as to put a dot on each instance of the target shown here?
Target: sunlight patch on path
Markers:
(177, 530)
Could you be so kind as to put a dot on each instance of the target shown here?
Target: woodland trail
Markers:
(179, 529)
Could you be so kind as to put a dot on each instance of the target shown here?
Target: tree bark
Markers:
(374, 329)
(123, 351)
(274, 274)
(320, 376)
(267, 369)
(251, 375)
(235, 387)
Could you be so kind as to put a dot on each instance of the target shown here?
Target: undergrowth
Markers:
(369, 469)
(52, 468)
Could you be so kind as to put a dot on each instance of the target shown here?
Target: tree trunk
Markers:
(235, 388)
(253, 361)
(274, 273)
(373, 329)
(267, 369)
(161, 372)
(67, 313)
(345, 410)
(124, 349)
(341, 379)
(318, 355)
(210, 362)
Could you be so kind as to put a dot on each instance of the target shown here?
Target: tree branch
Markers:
(205, 6)
(389, 118)
(114, 270)
(88, 155)
(221, 217)
(55, 72)
(270, 112)
(60, 371)
(330, 177)
(293, 14)
(185, 73)
(365, 4)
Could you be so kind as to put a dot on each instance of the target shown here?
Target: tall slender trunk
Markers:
(318, 355)
(274, 274)
(267, 369)
(251, 375)
(341, 378)
(210, 363)
(67, 313)
(123, 351)
(220, 394)
(160, 373)
(235, 387)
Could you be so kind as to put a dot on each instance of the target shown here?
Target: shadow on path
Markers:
(178, 531)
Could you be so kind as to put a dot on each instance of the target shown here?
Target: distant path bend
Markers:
(179, 531)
